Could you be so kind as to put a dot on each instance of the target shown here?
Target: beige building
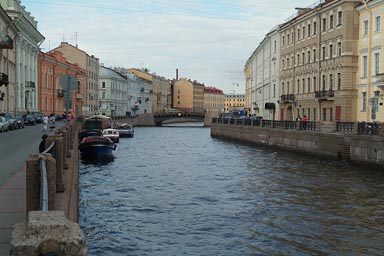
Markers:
(318, 62)
(370, 77)
(234, 102)
(91, 64)
(213, 101)
(188, 95)
(161, 94)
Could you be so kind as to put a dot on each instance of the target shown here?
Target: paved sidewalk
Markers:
(12, 208)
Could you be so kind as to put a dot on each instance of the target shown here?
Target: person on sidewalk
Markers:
(51, 122)
(69, 117)
(42, 143)
(45, 122)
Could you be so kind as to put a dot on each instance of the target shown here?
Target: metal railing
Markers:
(44, 178)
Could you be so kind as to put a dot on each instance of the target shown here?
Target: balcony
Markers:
(287, 98)
(6, 42)
(324, 94)
(30, 84)
(380, 80)
(60, 93)
(3, 79)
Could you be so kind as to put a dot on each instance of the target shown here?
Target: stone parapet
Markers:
(48, 233)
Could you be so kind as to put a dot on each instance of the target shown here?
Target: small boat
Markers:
(86, 133)
(126, 130)
(111, 133)
(96, 148)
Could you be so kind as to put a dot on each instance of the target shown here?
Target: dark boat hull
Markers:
(96, 148)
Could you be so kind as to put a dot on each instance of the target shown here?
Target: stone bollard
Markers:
(33, 181)
(47, 233)
(59, 156)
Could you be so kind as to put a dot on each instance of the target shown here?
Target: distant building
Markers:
(213, 101)
(143, 101)
(262, 72)
(188, 95)
(53, 66)
(234, 102)
(27, 51)
(113, 93)
(91, 64)
(8, 86)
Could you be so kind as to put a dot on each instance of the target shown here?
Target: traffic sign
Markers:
(68, 82)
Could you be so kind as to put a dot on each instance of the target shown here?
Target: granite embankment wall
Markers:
(52, 231)
(358, 148)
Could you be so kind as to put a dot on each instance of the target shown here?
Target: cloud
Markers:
(208, 41)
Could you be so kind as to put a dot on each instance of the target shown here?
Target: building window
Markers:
(274, 46)
(103, 95)
(303, 57)
(303, 32)
(339, 49)
(338, 81)
(309, 84)
(330, 51)
(377, 24)
(282, 64)
(298, 34)
(314, 55)
(103, 85)
(309, 57)
(340, 18)
(364, 102)
(365, 28)
(365, 66)
(303, 84)
(324, 24)
(377, 63)
(314, 83)
(314, 27)
(331, 22)
(274, 90)
(288, 41)
(330, 82)
(323, 52)
(283, 41)
(298, 86)
(323, 83)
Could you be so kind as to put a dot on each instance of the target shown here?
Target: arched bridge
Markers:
(178, 117)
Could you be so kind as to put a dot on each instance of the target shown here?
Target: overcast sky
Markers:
(207, 40)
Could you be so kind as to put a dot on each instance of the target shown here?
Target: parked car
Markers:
(12, 122)
(3, 124)
(20, 121)
(29, 119)
(38, 117)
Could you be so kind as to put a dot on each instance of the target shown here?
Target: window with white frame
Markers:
(365, 27)
(331, 22)
(377, 63)
(364, 66)
(340, 18)
(377, 23)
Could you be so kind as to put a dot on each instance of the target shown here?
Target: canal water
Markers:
(177, 191)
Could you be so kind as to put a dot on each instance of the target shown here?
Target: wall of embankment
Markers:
(366, 149)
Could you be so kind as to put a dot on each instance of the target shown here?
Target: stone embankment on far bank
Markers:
(360, 148)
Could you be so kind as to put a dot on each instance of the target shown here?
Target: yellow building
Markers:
(234, 102)
(213, 101)
(188, 95)
(370, 75)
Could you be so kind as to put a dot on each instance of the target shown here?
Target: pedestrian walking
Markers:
(45, 122)
(69, 117)
(51, 122)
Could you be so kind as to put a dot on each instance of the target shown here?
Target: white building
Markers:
(113, 93)
(262, 71)
(27, 51)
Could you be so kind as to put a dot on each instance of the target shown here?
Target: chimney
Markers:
(177, 74)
